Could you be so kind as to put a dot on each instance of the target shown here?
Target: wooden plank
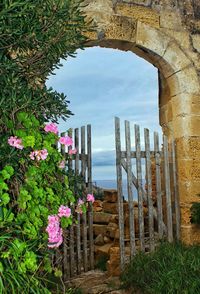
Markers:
(135, 183)
(149, 189)
(71, 250)
(140, 193)
(83, 174)
(158, 185)
(90, 212)
(119, 189)
(129, 189)
(70, 134)
(168, 190)
(78, 230)
(66, 267)
(176, 193)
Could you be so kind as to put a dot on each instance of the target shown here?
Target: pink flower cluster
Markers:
(72, 151)
(64, 211)
(62, 164)
(52, 128)
(90, 198)
(39, 154)
(54, 231)
(67, 141)
(15, 142)
(79, 206)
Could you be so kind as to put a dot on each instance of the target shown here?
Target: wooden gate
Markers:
(157, 201)
(77, 252)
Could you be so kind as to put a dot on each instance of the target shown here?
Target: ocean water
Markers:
(112, 184)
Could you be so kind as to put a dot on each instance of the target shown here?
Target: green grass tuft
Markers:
(171, 269)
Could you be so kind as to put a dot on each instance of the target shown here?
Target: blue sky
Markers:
(101, 84)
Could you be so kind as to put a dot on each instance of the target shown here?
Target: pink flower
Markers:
(62, 164)
(39, 154)
(90, 198)
(79, 208)
(72, 151)
(66, 141)
(52, 128)
(15, 142)
(43, 154)
(80, 201)
(32, 155)
(54, 231)
(64, 211)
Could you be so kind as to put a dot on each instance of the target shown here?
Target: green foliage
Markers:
(34, 36)
(101, 263)
(172, 268)
(195, 213)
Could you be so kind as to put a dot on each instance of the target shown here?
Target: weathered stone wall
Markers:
(167, 34)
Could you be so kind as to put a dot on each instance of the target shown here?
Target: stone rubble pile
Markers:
(106, 230)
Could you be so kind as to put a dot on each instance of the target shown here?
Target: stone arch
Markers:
(138, 28)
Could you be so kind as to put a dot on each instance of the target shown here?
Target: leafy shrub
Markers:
(172, 268)
(35, 34)
(195, 213)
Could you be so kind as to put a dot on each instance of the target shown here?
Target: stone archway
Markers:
(161, 34)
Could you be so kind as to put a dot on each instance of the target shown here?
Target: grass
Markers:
(171, 269)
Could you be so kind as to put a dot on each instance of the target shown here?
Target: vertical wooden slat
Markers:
(71, 249)
(149, 189)
(83, 168)
(129, 189)
(90, 212)
(158, 185)
(71, 229)
(119, 189)
(70, 148)
(176, 193)
(140, 196)
(168, 190)
(78, 230)
(66, 267)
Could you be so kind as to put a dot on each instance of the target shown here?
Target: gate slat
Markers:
(90, 213)
(119, 189)
(129, 189)
(158, 185)
(149, 189)
(168, 190)
(71, 249)
(83, 169)
(140, 196)
(176, 194)
(78, 230)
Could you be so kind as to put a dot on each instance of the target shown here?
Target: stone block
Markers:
(99, 240)
(188, 169)
(101, 217)
(97, 205)
(151, 38)
(176, 58)
(184, 81)
(110, 195)
(196, 42)
(104, 250)
(186, 125)
(143, 14)
(99, 229)
(188, 147)
(113, 271)
(113, 207)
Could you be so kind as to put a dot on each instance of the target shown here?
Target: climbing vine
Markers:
(36, 197)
